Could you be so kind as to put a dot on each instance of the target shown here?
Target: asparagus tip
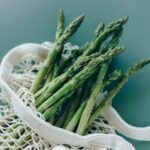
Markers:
(142, 63)
(118, 50)
(61, 12)
(126, 18)
(137, 66)
(77, 22)
(81, 17)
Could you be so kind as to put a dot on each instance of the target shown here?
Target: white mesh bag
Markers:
(31, 131)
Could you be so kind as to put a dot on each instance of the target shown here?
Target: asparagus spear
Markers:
(75, 119)
(60, 24)
(60, 27)
(48, 64)
(56, 68)
(125, 77)
(78, 79)
(92, 100)
(49, 76)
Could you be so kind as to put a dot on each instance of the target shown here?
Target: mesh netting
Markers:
(14, 133)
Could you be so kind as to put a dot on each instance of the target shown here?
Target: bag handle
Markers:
(137, 133)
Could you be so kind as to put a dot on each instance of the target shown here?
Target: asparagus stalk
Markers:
(60, 27)
(125, 77)
(60, 24)
(92, 100)
(49, 76)
(75, 119)
(48, 64)
(78, 80)
(56, 68)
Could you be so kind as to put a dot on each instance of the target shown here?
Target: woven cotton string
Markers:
(14, 133)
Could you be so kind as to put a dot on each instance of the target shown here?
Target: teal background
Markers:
(35, 21)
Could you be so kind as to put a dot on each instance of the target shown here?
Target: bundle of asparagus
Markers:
(87, 73)
(74, 84)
